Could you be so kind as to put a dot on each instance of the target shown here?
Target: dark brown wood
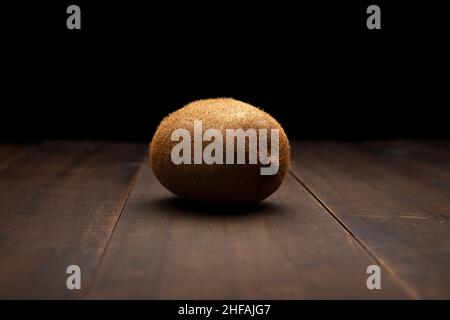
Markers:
(394, 197)
(9, 153)
(289, 247)
(59, 203)
(346, 206)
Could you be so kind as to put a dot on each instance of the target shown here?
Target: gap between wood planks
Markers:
(410, 291)
(127, 196)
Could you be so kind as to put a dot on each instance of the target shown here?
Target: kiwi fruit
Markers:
(228, 184)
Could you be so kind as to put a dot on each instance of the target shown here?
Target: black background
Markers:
(313, 65)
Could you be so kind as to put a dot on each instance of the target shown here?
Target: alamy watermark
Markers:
(213, 153)
(73, 281)
(73, 21)
(374, 280)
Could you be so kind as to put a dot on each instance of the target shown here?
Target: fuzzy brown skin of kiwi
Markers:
(228, 184)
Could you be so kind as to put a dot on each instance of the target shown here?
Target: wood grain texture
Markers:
(59, 203)
(9, 153)
(289, 247)
(394, 197)
(345, 206)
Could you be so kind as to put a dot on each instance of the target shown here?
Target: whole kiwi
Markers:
(230, 184)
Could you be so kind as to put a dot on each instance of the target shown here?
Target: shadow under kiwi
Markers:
(179, 205)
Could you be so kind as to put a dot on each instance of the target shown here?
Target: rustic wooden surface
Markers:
(59, 203)
(343, 207)
(395, 199)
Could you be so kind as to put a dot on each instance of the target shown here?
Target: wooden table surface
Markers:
(343, 206)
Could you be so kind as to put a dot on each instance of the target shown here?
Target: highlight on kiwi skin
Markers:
(221, 151)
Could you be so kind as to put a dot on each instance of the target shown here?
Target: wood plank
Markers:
(9, 153)
(394, 197)
(426, 160)
(58, 206)
(289, 247)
